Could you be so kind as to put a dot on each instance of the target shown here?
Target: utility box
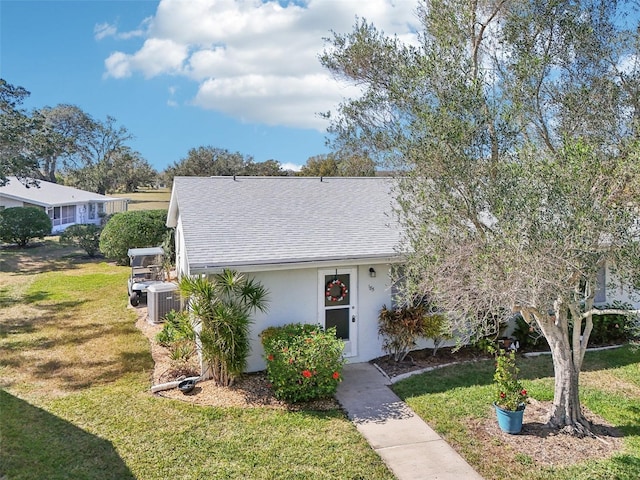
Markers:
(161, 299)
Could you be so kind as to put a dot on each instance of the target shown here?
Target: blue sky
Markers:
(242, 75)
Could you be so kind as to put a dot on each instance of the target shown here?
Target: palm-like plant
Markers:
(221, 309)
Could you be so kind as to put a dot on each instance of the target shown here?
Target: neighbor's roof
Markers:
(252, 221)
(49, 194)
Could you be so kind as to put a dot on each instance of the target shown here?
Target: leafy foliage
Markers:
(333, 165)
(179, 337)
(304, 362)
(177, 327)
(435, 327)
(17, 130)
(509, 392)
(514, 125)
(22, 224)
(211, 161)
(134, 229)
(615, 327)
(86, 236)
(220, 310)
(401, 328)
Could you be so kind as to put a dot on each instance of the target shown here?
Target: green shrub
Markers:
(608, 329)
(178, 336)
(528, 336)
(400, 329)
(86, 236)
(22, 224)
(137, 229)
(435, 327)
(304, 362)
(177, 327)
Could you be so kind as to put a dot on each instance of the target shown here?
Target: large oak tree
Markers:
(17, 128)
(514, 125)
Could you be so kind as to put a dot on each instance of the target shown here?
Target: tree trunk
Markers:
(566, 412)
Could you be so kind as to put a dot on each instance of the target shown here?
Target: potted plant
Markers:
(510, 396)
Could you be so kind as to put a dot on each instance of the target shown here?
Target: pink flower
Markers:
(306, 374)
(523, 392)
(502, 395)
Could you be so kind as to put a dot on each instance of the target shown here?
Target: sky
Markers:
(241, 75)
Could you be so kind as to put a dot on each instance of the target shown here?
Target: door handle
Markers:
(353, 319)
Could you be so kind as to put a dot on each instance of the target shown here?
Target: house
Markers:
(323, 247)
(65, 206)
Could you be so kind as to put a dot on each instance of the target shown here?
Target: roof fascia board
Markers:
(295, 265)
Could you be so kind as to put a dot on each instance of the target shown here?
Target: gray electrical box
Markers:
(161, 299)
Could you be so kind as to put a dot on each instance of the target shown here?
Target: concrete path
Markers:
(407, 445)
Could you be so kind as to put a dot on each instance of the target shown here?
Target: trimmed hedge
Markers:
(136, 229)
(22, 224)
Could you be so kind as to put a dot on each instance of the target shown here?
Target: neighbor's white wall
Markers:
(293, 298)
(617, 292)
(10, 202)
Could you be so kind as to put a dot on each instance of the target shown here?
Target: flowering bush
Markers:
(304, 362)
(509, 393)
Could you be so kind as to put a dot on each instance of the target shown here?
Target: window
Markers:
(63, 215)
(93, 211)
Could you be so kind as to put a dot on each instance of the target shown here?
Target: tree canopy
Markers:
(515, 127)
(212, 161)
(334, 165)
(65, 142)
(16, 132)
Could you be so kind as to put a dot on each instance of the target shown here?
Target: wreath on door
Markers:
(336, 291)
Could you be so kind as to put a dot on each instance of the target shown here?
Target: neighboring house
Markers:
(65, 206)
(323, 247)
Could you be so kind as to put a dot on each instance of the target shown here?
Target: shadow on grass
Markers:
(29, 324)
(40, 257)
(481, 373)
(37, 444)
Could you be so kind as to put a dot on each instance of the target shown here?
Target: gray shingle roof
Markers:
(276, 220)
(50, 194)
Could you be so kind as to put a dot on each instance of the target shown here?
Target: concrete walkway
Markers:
(407, 445)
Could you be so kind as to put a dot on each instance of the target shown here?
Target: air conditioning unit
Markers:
(161, 299)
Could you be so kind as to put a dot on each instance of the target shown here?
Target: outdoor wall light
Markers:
(372, 272)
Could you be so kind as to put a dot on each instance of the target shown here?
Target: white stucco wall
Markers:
(10, 202)
(294, 296)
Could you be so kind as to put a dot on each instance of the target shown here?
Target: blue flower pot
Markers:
(508, 420)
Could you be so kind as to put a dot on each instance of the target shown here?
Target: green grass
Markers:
(152, 199)
(451, 398)
(75, 401)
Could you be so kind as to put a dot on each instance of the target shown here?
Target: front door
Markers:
(338, 308)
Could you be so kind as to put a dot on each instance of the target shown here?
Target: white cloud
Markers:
(291, 166)
(104, 30)
(255, 60)
(157, 56)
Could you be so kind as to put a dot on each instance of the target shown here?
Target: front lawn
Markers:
(455, 400)
(75, 402)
